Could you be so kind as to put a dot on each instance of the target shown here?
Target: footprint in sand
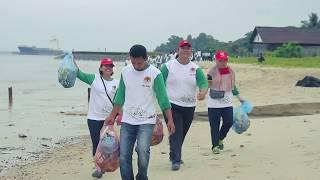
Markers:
(215, 165)
(205, 154)
(240, 165)
(312, 130)
(228, 150)
(216, 158)
(299, 146)
(235, 172)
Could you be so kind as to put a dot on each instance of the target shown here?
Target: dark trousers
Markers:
(94, 128)
(215, 115)
(182, 118)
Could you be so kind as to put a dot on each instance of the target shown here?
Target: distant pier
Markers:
(97, 55)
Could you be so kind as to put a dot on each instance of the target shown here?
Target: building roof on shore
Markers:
(280, 35)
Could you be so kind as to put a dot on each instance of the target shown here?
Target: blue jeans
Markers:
(129, 134)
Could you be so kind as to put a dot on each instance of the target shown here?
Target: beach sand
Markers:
(276, 146)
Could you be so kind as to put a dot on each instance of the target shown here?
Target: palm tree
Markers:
(313, 22)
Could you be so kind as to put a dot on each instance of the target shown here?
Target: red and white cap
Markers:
(221, 55)
(184, 43)
(106, 61)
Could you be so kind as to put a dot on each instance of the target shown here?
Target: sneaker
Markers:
(215, 150)
(221, 146)
(181, 161)
(97, 174)
(175, 166)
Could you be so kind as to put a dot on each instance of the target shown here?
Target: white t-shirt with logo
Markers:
(139, 92)
(181, 83)
(99, 104)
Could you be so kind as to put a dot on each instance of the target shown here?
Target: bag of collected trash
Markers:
(67, 72)
(157, 134)
(241, 120)
(309, 81)
(107, 156)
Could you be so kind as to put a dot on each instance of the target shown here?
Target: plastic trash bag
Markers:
(107, 156)
(241, 120)
(67, 72)
(246, 107)
(157, 134)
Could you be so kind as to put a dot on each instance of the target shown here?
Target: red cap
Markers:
(221, 55)
(106, 61)
(184, 43)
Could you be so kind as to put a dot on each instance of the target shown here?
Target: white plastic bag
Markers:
(67, 72)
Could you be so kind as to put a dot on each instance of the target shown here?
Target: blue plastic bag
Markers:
(67, 72)
(241, 120)
(246, 107)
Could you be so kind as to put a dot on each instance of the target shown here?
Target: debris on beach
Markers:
(21, 135)
(46, 139)
(309, 81)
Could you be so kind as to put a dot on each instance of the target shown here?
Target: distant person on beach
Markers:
(261, 58)
(103, 88)
(221, 78)
(182, 78)
(141, 85)
(127, 62)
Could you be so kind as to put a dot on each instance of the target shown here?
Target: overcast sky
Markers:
(118, 24)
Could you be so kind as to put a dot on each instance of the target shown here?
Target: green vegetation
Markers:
(288, 50)
(239, 47)
(207, 43)
(305, 62)
(313, 22)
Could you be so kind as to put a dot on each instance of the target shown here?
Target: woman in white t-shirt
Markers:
(103, 88)
(221, 80)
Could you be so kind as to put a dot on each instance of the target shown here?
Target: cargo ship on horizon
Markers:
(33, 50)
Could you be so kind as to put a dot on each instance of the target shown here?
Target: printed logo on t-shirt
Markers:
(192, 71)
(137, 113)
(146, 81)
(114, 89)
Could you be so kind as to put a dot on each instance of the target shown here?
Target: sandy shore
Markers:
(274, 147)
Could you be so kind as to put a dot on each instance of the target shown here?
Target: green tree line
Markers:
(241, 47)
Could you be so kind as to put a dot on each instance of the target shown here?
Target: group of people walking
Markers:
(176, 87)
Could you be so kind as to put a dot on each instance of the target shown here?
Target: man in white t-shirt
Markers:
(141, 85)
